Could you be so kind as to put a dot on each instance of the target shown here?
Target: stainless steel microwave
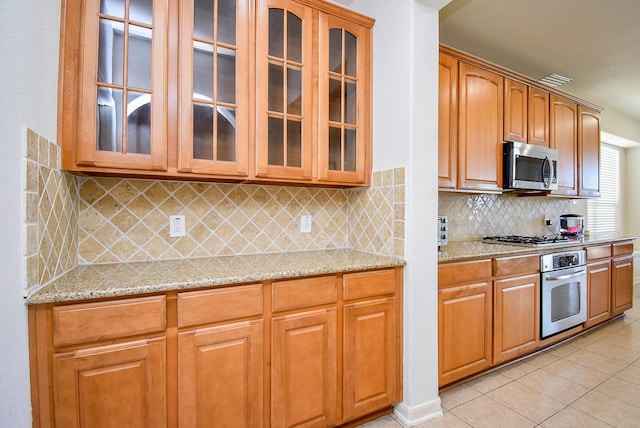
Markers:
(528, 167)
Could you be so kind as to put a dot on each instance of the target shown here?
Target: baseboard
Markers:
(412, 416)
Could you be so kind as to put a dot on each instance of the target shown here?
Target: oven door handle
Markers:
(563, 277)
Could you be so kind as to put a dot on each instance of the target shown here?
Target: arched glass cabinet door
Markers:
(285, 95)
(344, 130)
(214, 87)
(123, 89)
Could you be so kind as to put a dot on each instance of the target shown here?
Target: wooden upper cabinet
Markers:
(214, 88)
(588, 151)
(538, 117)
(564, 138)
(344, 100)
(515, 111)
(284, 61)
(447, 122)
(113, 105)
(480, 129)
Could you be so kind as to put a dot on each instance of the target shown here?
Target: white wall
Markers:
(29, 34)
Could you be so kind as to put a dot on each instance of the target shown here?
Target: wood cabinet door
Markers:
(123, 92)
(370, 363)
(588, 152)
(516, 317)
(304, 369)
(447, 122)
(564, 138)
(214, 88)
(220, 376)
(621, 285)
(538, 117)
(344, 100)
(480, 123)
(121, 385)
(285, 108)
(598, 292)
(464, 331)
(515, 111)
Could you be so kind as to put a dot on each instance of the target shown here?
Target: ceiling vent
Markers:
(554, 80)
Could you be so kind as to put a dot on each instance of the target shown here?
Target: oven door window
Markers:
(565, 301)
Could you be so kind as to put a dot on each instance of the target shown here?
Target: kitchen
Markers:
(396, 47)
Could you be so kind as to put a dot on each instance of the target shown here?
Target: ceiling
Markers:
(595, 42)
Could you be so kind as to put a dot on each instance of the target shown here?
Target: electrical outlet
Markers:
(305, 224)
(177, 226)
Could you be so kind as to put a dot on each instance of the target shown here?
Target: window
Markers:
(602, 212)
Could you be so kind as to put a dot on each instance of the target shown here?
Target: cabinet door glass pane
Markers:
(139, 55)
(294, 91)
(141, 11)
(276, 141)
(227, 21)
(350, 103)
(226, 138)
(110, 54)
(138, 123)
(276, 88)
(335, 100)
(335, 50)
(109, 120)
(349, 149)
(294, 38)
(276, 33)
(294, 143)
(202, 71)
(335, 148)
(226, 75)
(112, 8)
(202, 131)
(203, 19)
(351, 54)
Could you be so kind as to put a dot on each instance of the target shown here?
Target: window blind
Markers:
(602, 212)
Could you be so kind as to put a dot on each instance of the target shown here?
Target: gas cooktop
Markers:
(527, 241)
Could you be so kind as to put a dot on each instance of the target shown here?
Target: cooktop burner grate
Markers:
(529, 241)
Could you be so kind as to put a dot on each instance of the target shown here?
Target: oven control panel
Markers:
(563, 260)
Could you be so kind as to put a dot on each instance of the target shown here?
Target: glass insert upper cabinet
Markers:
(284, 122)
(344, 80)
(214, 86)
(122, 99)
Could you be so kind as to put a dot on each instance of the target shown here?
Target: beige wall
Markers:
(631, 193)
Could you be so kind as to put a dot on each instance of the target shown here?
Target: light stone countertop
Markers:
(456, 251)
(126, 279)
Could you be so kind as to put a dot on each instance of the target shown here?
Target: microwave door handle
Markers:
(546, 165)
(563, 277)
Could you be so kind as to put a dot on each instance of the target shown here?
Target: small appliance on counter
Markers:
(443, 230)
(572, 225)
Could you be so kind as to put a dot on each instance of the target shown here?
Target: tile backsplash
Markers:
(71, 220)
(474, 216)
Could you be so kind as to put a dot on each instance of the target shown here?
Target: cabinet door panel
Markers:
(370, 364)
(464, 331)
(303, 370)
(564, 138)
(589, 151)
(622, 285)
(515, 111)
(480, 129)
(598, 292)
(220, 376)
(111, 386)
(538, 117)
(447, 122)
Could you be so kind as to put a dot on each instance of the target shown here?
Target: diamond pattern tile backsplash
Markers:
(475, 216)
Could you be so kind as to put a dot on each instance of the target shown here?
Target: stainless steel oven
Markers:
(564, 291)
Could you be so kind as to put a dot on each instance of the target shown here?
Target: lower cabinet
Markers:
(464, 330)
(621, 284)
(516, 317)
(598, 292)
(122, 385)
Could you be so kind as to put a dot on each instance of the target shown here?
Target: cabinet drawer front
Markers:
(368, 284)
(598, 252)
(465, 272)
(88, 322)
(622, 248)
(209, 306)
(302, 293)
(516, 265)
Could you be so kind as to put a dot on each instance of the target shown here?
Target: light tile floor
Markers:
(590, 381)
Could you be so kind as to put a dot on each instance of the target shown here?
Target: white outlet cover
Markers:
(177, 226)
(305, 224)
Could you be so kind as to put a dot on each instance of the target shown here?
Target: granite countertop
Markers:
(467, 250)
(126, 279)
